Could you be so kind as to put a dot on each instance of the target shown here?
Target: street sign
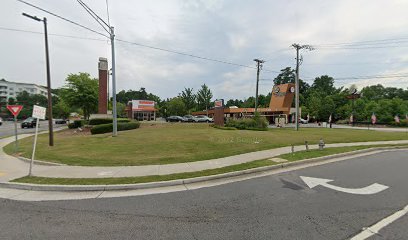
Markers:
(374, 188)
(39, 112)
(14, 109)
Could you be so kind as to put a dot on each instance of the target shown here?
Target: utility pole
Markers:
(49, 95)
(258, 67)
(297, 48)
(115, 120)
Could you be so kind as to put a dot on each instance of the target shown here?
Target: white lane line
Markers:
(374, 229)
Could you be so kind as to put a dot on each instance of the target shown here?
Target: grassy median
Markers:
(301, 155)
(177, 143)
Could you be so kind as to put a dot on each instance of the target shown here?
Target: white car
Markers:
(203, 118)
(303, 121)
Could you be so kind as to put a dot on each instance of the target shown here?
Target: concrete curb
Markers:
(65, 188)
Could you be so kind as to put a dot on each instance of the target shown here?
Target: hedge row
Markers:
(255, 123)
(76, 124)
(98, 121)
(105, 128)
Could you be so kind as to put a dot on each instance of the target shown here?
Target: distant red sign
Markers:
(15, 109)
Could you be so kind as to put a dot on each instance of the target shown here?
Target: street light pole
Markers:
(49, 95)
(115, 120)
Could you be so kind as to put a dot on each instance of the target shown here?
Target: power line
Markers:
(93, 15)
(395, 75)
(63, 18)
(368, 42)
(186, 54)
(51, 34)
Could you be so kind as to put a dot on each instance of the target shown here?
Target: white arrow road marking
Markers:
(372, 189)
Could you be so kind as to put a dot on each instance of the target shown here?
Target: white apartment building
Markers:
(12, 89)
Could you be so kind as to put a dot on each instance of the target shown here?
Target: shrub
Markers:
(99, 121)
(71, 126)
(78, 123)
(255, 123)
(105, 128)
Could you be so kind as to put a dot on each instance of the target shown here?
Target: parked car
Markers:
(1, 121)
(188, 118)
(174, 119)
(203, 118)
(29, 123)
(303, 121)
(60, 121)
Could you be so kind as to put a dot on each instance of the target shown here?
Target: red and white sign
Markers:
(218, 103)
(39, 112)
(143, 105)
(15, 109)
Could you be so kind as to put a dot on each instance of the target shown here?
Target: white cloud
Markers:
(236, 31)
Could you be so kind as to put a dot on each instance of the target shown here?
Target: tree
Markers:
(324, 84)
(81, 91)
(287, 75)
(28, 100)
(189, 98)
(176, 107)
(61, 109)
(204, 96)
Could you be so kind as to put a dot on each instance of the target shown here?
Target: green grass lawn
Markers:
(176, 143)
(157, 178)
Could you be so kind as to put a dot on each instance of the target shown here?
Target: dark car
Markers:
(174, 119)
(188, 118)
(60, 121)
(29, 123)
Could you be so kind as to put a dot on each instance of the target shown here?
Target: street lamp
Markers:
(50, 127)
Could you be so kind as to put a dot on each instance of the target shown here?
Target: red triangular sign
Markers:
(15, 109)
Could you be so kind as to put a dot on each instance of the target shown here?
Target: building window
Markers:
(11, 89)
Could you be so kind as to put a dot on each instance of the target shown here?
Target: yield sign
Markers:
(15, 109)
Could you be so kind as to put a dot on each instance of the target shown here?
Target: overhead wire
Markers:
(63, 18)
(94, 16)
(52, 34)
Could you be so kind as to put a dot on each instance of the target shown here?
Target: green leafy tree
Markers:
(176, 107)
(81, 91)
(204, 96)
(28, 101)
(61, 109)
(189, 98)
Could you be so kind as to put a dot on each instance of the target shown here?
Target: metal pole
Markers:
(15, 131)
(257, 83)
(353, 113)
(297, 89)
(115, 120)
(49, 95)
(34, 145)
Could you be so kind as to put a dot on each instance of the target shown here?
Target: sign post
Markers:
(15, 110)
(38, 113)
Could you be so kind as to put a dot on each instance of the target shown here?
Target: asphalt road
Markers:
(278, 206)
(7, 128)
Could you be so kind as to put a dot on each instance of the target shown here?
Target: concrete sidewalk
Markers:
(11, 167)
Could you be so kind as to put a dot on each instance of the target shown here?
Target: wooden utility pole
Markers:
(258, 67)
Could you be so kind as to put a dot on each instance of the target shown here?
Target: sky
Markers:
(351, 39)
